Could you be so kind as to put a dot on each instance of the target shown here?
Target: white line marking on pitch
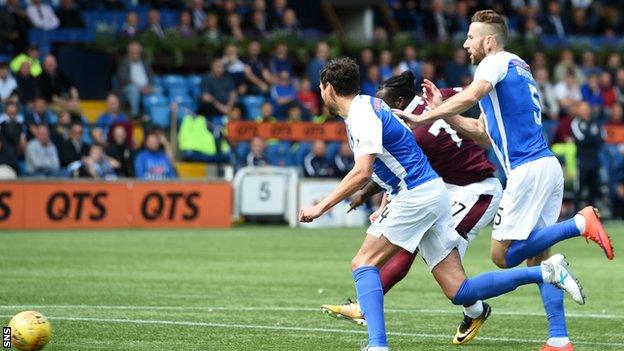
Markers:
(297, 309)
(303, 329)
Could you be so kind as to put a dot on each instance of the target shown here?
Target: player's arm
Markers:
(455, 105)
(470, 127)
(354, 180)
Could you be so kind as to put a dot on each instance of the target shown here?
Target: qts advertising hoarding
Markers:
(39, 205)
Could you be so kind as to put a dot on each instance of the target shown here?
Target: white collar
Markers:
(412, 105)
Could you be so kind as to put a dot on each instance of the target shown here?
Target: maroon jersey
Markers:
(457, 159)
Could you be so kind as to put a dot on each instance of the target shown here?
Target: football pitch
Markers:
(260, 288)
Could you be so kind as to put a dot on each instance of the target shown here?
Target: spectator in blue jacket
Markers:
(155, 160)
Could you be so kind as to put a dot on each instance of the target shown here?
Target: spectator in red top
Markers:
(307, 97)
(609, 94)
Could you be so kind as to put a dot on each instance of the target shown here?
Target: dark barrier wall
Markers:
(90, 71)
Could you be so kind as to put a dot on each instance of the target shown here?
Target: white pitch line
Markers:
(302, 329)
(298, 309)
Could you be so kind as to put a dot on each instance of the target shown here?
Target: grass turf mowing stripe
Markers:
(312, 330)
(296, 309)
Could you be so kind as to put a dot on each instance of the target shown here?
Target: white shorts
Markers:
(473, 207)
(531, 200)
(420, 218)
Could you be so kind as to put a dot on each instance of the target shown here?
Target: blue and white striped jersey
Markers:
(512, 110)
(374, 129)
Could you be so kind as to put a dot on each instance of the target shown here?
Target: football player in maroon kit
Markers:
(469, 178)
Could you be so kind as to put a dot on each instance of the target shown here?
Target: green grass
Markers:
(259, 288)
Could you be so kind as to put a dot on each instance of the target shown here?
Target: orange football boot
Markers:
(567, 347)
(595, 231)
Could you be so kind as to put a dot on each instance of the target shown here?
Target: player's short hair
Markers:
(402, 85)
(497, 22)
(343, 74)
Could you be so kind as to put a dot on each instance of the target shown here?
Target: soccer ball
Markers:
(30, 331)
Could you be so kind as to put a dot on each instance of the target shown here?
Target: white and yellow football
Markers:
(30, 331)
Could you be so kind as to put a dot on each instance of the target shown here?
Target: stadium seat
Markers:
(159, 115)
(193, 84)
(300, 152)
(191, 170)
(241, 151)
(153, 99)
(185, 103)
(252, 105)
(333, 147)
(279, 154)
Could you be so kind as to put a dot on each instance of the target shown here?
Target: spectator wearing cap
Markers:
(135, 77)
(42, 16)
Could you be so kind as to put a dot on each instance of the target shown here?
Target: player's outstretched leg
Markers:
(390, 273)
(586, 223)
(449, 273)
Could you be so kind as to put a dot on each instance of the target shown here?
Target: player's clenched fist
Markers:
(310, 213)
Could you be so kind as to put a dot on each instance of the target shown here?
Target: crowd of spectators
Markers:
(43, 131)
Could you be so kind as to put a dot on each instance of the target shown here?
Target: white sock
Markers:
(580, 222)
(558, 342)
(474, 310)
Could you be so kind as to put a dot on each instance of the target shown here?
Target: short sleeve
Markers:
(366, 131)
(492, 69)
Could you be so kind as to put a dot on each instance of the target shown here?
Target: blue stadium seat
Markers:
(159, 115)
(185, 103)
(279, 154)
(154, 99)
(300, 152)
(333, 147)
(252, 105)
(193, 84)
(241, 151)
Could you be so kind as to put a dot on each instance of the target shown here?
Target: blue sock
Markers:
(553, 304)
(492, 284)
(370, 296)
(539, 240)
